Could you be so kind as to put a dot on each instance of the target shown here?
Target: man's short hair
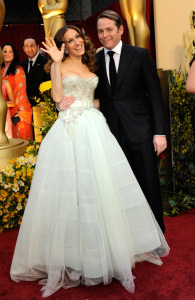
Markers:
(112, 15)
(31, 37)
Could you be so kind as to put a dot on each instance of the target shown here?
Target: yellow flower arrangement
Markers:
(45, 86)
(16, 177)
(49, 114)
(15, 181)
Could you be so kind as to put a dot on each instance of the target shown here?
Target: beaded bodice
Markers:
(83, 91)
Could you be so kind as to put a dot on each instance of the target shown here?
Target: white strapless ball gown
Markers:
(86, 220)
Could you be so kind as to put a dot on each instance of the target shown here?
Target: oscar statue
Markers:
(134, 12)
(3, 105)
(189, 37)
(53, 15)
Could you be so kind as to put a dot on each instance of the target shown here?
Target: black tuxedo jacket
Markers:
(137, 101)
(36, 76)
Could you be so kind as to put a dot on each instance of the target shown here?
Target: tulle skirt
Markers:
(86, 220)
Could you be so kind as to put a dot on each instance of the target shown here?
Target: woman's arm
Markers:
(190, 83)
(56, 76)
(10, 95)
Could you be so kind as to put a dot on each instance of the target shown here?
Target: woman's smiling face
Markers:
(74, 43)
(8, 54)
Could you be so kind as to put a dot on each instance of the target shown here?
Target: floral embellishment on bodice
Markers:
(83, 91)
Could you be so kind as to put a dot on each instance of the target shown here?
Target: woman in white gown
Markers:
(86, 220)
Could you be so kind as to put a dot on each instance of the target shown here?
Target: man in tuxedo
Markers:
(131, 100)
(34, 68)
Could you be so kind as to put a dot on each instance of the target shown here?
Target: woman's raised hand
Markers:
(51, 49)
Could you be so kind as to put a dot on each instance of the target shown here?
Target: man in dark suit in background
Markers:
(34, 68)
(133, 105)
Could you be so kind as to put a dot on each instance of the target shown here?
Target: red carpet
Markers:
(174, 280)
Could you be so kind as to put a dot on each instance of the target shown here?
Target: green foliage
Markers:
(177, 203)
(182, 195)
(182, 132)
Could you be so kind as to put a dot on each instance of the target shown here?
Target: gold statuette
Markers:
(134, 12)
(189, 37)
(3, 104)
(53, 15)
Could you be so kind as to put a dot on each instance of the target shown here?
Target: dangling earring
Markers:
(66, 52)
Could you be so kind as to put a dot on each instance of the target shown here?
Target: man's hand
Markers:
(160, 143)
(65, 103)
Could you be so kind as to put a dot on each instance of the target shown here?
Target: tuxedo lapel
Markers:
(125, 59)
(38, 60)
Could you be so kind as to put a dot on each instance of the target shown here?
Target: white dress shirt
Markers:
(116, 57)
(33, 60)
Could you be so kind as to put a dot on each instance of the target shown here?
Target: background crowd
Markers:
(20, 86)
